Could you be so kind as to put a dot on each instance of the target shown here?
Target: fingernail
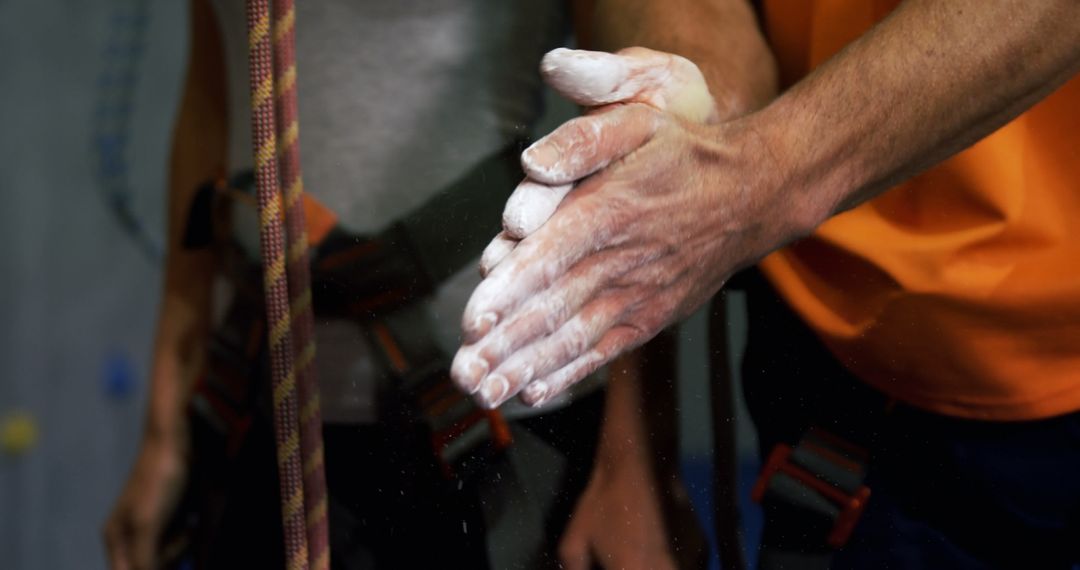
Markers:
(468, 369)
(493, 390)
(537, 393)
(483, 323)
(495, 252)
(540, 157)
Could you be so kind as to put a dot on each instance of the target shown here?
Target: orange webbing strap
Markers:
(288, 366)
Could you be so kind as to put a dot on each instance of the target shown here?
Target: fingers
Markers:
(495, 252)
(129, 544)
(553, 352)
(574, 545)
(614, 342)
(665, 81)
(537, 317)
(115, 546)
(142, 547)
(530, 206)
(530, 267)
(586, 144)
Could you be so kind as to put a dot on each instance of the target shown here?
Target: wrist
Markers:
(818, 160)
(619, 455)
(170, 435)
(780, 165)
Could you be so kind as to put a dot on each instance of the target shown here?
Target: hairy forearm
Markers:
(721, 36)
(673, 208)
(928, 81)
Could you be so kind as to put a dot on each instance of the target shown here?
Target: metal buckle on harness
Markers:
(822, 475)
(463, 435)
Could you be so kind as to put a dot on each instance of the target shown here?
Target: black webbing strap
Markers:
(453, 227)
(442, 235)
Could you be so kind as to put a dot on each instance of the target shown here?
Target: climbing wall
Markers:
(82, 165)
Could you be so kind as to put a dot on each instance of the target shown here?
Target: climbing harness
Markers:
(286, 283)
(366, 280)
(821, 478)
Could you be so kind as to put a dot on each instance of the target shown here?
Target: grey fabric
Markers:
(400, 97)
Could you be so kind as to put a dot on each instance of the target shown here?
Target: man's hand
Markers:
(632, 248)
(617, 522)
(149, 497)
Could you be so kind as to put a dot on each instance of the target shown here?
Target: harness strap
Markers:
(297, 424)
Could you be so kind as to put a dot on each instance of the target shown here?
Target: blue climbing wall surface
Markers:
(77, 293)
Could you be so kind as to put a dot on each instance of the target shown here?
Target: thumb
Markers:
(574, 545)
(116, 546)
(665, 81)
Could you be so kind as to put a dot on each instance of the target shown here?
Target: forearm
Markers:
(673, 208)
(179, 346)
(623, 437)
(721, 36)
(197, 154)
(928, 81)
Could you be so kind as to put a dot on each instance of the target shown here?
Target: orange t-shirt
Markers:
(959, 290)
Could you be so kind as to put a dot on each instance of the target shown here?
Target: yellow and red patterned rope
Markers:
(299, 277)
(297, 434)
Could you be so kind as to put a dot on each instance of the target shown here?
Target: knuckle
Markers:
(495, 347)
(596, 359)
(553, 311)
(576, 340)
(648, 117)
(682, 64)
(581, 133)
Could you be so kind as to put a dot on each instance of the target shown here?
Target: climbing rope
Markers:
(286, 283)
(300, 284)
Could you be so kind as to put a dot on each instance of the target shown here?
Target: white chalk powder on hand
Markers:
(666, 81)
(498, 249)
(530, 206)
